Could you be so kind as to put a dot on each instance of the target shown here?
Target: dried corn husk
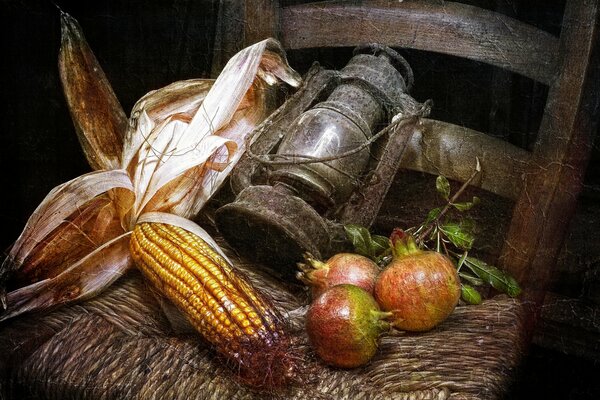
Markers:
(180, 144)
(99, 120)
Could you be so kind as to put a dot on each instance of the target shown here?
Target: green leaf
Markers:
(460, 234)
(513, 287)
(443, 186)
(494, 276)
(433, 214)
(360, 238)
(470, 294)
(364, 244)
(473, 280)
(379, 245)
(467, 205)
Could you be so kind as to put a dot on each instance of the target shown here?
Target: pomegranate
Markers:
(342, 268)
(344, 324)
(421, 288)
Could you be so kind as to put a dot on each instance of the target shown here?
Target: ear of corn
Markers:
(223, 307)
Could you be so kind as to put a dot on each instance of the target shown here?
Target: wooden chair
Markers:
(119, 345)
(544, 183)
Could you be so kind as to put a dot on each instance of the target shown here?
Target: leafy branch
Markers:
(432, 223)
(454, 237)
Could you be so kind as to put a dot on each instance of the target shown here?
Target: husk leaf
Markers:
(61, 203)
(99, 119)
(82, 280)
(172, 149)
(180, 144)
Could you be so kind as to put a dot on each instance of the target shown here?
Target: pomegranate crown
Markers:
(403, 243)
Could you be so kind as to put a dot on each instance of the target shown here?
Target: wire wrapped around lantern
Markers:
(311, 162)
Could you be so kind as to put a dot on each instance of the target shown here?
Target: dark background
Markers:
(144, 45)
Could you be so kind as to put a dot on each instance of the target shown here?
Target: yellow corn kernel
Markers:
(218, 302)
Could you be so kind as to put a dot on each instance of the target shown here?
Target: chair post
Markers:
(240, 24)
(554, 180)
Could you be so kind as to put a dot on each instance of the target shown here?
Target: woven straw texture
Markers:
(121, 346)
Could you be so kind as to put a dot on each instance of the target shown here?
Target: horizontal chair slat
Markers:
(450, 28)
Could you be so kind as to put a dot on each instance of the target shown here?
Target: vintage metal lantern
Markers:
(311, 164)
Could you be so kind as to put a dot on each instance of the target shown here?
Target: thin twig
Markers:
(421, 237)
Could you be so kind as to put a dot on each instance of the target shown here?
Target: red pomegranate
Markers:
(344, 324)
(421, 288)
(342, 268)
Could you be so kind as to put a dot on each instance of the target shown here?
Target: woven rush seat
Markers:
(120, 345)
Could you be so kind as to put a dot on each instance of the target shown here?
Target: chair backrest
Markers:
(544, 183)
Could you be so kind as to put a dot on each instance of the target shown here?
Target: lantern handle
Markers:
(393, 56)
